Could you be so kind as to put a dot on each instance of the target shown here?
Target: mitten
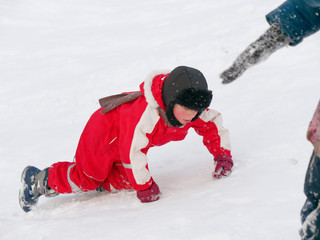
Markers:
(273, 39)
(223, 165)
(149, 195)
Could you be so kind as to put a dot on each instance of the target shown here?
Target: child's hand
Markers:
(223, 165)
(149, 195)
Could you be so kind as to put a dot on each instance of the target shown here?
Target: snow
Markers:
(59, 57)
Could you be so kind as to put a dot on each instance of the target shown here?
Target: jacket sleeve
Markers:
(137, 120)
(215, 136)
(313, 3)
(297, 18)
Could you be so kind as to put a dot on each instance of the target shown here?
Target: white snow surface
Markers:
(59, 57)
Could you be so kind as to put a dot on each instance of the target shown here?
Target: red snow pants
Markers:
(97, 161)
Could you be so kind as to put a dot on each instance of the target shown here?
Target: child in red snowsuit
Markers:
(112, 150)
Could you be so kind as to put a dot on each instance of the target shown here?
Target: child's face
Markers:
(183, 115)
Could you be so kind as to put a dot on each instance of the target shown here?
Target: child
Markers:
(112, 150)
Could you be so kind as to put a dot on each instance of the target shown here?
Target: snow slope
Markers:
(57, 58)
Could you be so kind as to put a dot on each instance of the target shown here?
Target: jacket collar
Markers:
(151, 88)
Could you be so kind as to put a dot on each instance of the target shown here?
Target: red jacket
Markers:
(125, 134)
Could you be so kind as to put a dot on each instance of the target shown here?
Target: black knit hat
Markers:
(187, 87)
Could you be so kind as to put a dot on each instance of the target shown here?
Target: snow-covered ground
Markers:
(57, 58)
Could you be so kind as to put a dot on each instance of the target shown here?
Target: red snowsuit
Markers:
(112, 150)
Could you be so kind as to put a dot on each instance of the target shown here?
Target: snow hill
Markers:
(57, 58)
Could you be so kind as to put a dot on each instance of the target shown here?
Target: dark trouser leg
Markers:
(310, 213)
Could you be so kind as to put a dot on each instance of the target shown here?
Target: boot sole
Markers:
(26, 199)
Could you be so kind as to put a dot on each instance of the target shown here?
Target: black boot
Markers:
(273, 39)
(34, 184)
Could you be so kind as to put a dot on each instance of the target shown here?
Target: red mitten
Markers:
(149, 195)
(223, 165)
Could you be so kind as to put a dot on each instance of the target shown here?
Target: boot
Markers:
(34, 184)
(100, 189)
